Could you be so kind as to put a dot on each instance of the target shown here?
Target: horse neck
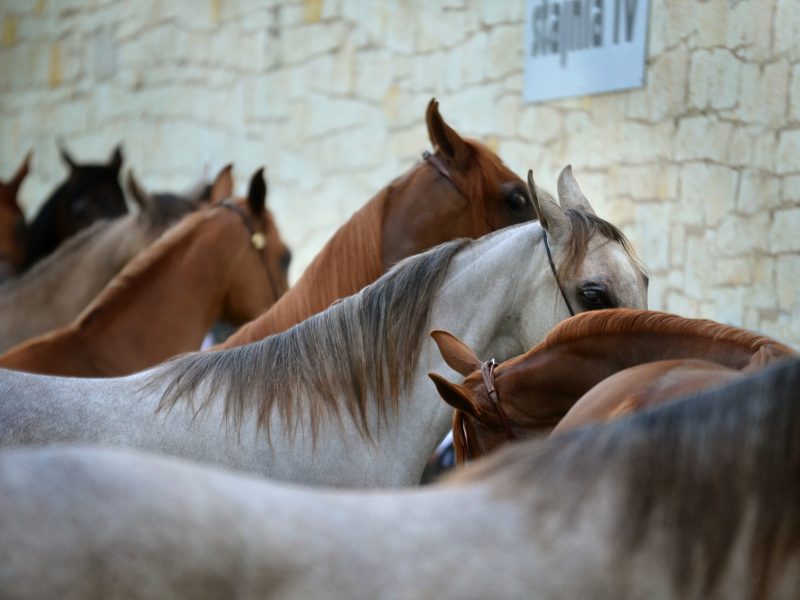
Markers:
(349, 261)
(168, 297)
(569, 369)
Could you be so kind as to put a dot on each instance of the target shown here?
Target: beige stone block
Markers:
(787, 158)
(786, 30)
(763, 93)
(740, 235)
(375, 71)
(713, 79)
(733, 271)
(300, 43)
(787, 276)
(750, 30)
(538, 123)
(729, 305)
(702, 138)
(336, 114)
(407, 144)
(648, 182)
(758, 191)
(505, 49)
(679, 304)
(466, 64)
(784, 233)
(677, 242)
(469, 110)
(794, 94)
(653, 234)
(790, 189)
(399, 27)
(711, 188)
(665, 87)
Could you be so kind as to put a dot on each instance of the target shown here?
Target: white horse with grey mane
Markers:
(697, 499)
(343, 398)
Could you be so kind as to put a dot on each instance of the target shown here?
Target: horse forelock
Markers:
(366, 344)
(704, 474)
(630, 320)
(583, 226)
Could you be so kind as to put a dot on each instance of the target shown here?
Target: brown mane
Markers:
(365, 343)
(583, 226)
(630, 320)
(358, 245)
(691, 472)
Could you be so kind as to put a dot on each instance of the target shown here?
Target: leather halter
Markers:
(258, 239)
(487, 372)
(439, 166)
(555, 275)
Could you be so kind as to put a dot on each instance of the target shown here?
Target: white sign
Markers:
(578, 47)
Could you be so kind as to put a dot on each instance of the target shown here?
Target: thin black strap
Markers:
(555, 274)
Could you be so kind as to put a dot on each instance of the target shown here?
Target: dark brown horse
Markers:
(535, 390)
(462, 190)
(13, 230)
(89, 193)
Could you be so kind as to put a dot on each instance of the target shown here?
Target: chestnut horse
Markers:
(700, 499)
(51, 295)
(342, 398)
(224, 262)
(90, 192)
(462, 190)
(13, 229)
(534, 391)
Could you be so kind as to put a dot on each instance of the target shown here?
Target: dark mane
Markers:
(692, 472)
(366, 343)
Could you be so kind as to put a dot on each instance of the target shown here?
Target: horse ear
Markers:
(569, 193)
(551, 216)
(22, 171)
(222, 187)
(257, 194)
(65, 156)
(444, 138)
(141, 197)
(457, 396)
(456, 353)
(115, 162)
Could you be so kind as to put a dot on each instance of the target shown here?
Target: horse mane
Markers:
(631, 320)
(366, 343)
(356, 244)
(143, 265)
(696, 469)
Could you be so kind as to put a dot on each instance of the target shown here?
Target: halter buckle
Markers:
(259, 240)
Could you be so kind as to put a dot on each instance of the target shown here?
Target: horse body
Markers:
(13, 229)
(377, 424)
(464, 190)
(699, 499)
(165, 300)
(538, 388)
(90, 193)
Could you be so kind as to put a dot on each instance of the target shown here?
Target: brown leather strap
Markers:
(439, 166)
(487, 372)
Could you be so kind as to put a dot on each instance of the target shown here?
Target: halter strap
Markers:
(487, 372)
(555, 274)
(439, 166)
(257, 238)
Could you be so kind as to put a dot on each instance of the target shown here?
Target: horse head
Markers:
(90, 192)
(462, 189)
(12, 223)
(259, 278)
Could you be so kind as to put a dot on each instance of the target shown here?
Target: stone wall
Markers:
(700, 167)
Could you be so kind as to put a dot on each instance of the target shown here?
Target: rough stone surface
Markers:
(700, 167)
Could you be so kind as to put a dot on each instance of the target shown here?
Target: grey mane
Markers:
(367, 343)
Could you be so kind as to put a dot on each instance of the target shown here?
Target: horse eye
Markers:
(594, 298)
(517, 201)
